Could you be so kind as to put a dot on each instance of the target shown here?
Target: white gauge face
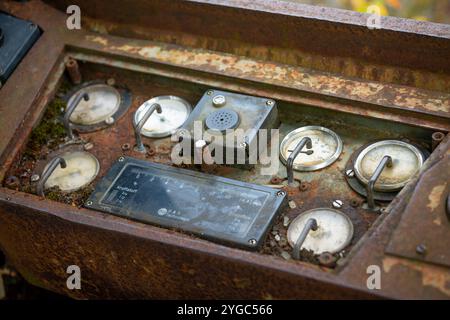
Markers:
(103, 103)
(334, 231)
(326, 147)
(174, 113)
(406, 162)
(82, 168)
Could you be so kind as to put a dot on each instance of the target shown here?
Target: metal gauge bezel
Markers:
(42, 164)
(310, 214)
(293, 134)
(392, 186)
(124, 104)
(158, 99)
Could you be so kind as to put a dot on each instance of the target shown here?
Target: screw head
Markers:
(281, 193)
(219, 100)
(350, 173)
(270, 103)
(209, 92)
(89, 203)
(337, 204)
(252, 242)
(121, 159)
(88, 146)
(35, 177)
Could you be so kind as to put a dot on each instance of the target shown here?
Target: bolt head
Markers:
(252, 242)
(35, 177)
(337, 204)
(270, 102)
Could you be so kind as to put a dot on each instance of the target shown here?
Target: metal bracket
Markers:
(138, 126)
(386, 161)
(70, 109)
(290, 161)
(54, 163)
(311, 224)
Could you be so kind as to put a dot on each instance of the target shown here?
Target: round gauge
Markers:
(334, 230)
(104, 101)
(175, 112)
(326, 147)
(82, 168)
(406, 162)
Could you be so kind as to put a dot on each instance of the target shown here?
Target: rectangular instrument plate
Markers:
(215, 208)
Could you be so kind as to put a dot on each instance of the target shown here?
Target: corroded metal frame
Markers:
(306, 55)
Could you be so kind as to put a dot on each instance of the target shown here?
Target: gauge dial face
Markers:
(326, 147)
(104, 101)
(174, 113)
(334, 231)
(406, 162)
(82, 168)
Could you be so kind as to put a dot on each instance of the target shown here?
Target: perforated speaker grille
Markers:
(222, 120)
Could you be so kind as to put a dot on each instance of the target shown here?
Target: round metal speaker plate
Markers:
(334, 232)
(222, 120)
(105, 106)
(82, 168)
(175, 112)
(326, 146)
(406, 162)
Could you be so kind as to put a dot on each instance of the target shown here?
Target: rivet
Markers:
(421, 249)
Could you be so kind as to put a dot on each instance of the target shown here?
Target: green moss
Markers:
(50, 131)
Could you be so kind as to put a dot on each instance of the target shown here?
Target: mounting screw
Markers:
(252, 242)
(421, 249)
(350, 173)
(35, 177)
(88, 146)
(337, 204)
(219, 101)
(121, 159)
(209, 92)
(270, 103)
(89, 203)
(281, 193)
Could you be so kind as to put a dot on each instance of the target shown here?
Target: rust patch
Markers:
(285, 75)
(435, 277)
(435, 196)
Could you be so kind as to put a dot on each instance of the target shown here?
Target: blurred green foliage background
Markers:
(427, 10)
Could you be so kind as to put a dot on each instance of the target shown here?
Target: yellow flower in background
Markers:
(363, 5)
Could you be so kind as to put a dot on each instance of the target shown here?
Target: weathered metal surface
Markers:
(127, 259)
(402, 278)
(132, 260)
(319, 38)
(429, 216)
